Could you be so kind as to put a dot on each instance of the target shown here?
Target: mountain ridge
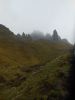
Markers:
(35, 35)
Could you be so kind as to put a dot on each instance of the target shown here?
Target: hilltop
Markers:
(29, 51)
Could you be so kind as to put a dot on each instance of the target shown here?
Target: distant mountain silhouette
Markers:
(24, 37)
(5, 33)
(36, 35)
(55, 36)
(48, 36)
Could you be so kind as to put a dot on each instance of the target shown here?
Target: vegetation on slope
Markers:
(46, 82)
(32, 70)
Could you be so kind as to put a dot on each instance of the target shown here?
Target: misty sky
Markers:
(44, 15)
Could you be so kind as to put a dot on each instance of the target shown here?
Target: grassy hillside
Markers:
(39, 83)
(24, 55)
(32, 70)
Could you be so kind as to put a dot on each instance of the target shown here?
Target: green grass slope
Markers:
(15, 56)
(43, 83)
(32, 70)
